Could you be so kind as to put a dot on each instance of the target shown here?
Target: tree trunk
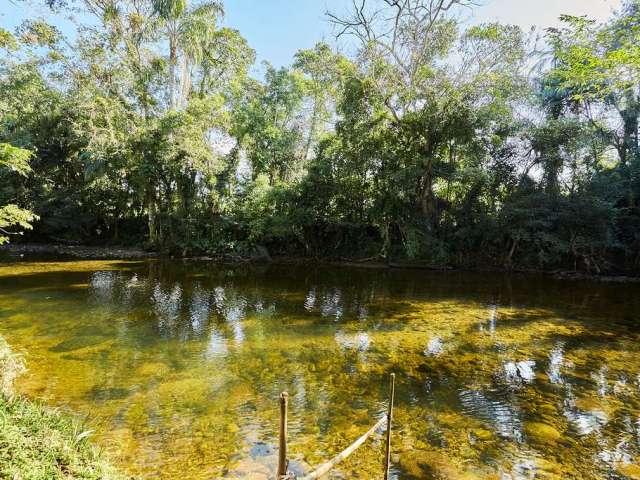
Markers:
(173, 60)
(116, 230)
(512, 250)
(426, 199)
(185, 82)
(152, 212)
(312, 127)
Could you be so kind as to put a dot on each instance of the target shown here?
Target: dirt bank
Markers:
(75, 251)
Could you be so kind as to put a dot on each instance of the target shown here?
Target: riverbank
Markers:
(38, 443)
(56, 252)
(81, 252)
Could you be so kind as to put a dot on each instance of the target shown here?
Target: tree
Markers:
(599, 66)
(270, 125)
(16, 160)
(433, 142)
(324, 72)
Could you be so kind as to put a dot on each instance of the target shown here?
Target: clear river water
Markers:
(177, 366)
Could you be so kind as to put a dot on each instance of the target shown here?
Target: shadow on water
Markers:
(179, 365)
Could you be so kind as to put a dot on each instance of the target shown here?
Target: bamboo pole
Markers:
(282, 452)
(392, 393)
(325, 467)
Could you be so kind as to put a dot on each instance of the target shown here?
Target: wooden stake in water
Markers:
(392, 393)
(282, 453)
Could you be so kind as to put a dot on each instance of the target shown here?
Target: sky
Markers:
(276, 29)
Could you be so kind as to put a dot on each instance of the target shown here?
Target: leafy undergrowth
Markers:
(37, 443)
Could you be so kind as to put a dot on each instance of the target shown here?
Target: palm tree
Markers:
(196, 32)
(189, 30)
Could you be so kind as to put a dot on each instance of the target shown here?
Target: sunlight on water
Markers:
(178, 367)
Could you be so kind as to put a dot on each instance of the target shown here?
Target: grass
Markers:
(37, 443)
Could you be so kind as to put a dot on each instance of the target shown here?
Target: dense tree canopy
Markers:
(433, 142)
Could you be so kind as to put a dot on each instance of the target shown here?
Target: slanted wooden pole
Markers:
(392, 393)
(282, 452)
(325, 467)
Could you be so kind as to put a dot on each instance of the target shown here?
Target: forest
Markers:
(423, 139)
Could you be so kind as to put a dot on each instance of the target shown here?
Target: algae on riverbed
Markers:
(180, 366)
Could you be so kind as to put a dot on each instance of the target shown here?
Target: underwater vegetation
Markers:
(178, 367)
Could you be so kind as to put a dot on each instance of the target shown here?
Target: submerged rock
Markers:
(541, 432)
(482, 434)
(183, 393)
(422, 464)
(629, 470)
(77, 343)
(153, 369)
(250, 470)
(103, 394)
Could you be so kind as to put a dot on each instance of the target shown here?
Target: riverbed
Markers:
(177, 367)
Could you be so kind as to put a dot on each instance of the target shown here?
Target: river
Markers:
(177, 367)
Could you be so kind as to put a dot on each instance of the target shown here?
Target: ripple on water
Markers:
(495, 408)
(179, 367)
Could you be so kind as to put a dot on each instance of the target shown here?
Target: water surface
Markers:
(177, 367)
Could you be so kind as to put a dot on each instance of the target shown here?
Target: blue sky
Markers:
(277, 28)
